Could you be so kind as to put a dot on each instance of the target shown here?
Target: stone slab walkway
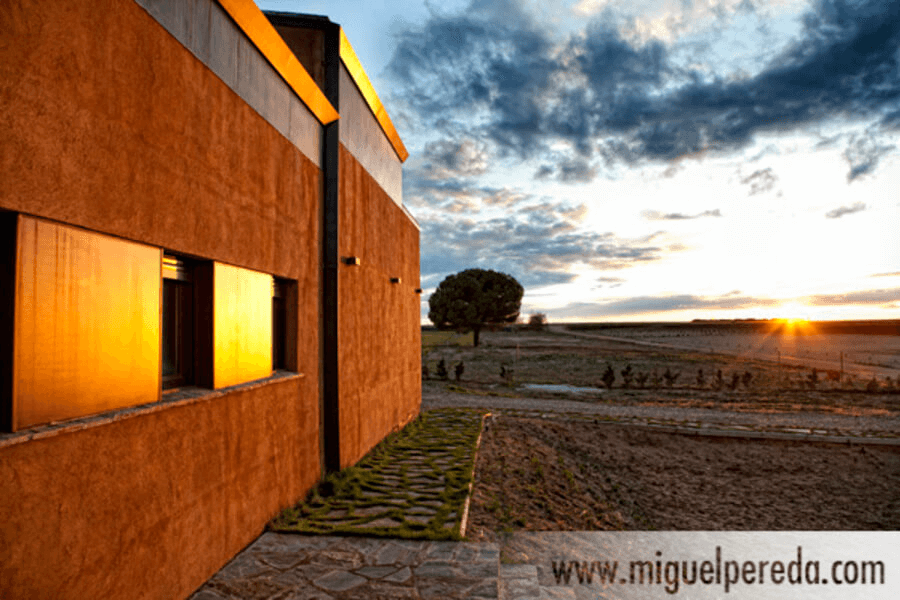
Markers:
(302, 567)
(413, 485)
(408, 495)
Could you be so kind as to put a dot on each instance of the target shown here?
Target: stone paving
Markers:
(587, 565)
(301, 567)
(413, 485)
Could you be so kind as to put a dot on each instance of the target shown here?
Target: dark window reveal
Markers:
(177, 323)
(279, 318)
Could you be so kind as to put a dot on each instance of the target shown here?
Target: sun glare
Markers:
(795, 325)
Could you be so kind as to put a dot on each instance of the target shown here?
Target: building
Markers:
(209, 285)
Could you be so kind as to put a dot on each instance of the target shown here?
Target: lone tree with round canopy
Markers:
(475, 298)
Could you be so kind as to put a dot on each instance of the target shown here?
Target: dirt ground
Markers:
(565, 475)
(557, 355)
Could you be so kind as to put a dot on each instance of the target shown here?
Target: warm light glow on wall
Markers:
(242, 330)
(87, 323)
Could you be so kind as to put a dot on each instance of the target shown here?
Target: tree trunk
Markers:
(476, 330)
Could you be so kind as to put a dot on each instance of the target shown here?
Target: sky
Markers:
(664, 160)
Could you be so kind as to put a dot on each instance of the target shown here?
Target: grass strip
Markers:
(412, 485)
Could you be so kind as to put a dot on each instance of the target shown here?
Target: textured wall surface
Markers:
(363, 137)
(151, 506)
(109, 123)
(205, 29)
(378, 329)
(130, 134)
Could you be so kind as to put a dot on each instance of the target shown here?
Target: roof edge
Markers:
(358, 74)
(251, 20)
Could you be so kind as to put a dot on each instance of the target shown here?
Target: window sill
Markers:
(182, 396)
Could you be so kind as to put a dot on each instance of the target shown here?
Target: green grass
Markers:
(432, 339)
(412, 485)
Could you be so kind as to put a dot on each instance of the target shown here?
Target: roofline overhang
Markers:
(355, 69)
(251, 20)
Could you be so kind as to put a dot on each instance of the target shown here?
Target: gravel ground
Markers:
(566, 474)
(436, 395)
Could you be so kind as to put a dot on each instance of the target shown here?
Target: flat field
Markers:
(590, 428)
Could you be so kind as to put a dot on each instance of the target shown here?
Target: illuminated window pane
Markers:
(86, 323)
(242, 325)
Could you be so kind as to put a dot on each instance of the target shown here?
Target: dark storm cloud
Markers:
(653, 215)
(613, 99)
(538, 245)
(454, 194)
(863, 154)
(577, 170)
(881, 297)
(448, 158)
(544, 172)
(837, 213)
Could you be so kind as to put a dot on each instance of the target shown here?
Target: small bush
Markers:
(719, 381)
(813, 379)
(627, 376)
(641, 379)
(670, 377)
(506, 374)
(609, 376)
(872, 386)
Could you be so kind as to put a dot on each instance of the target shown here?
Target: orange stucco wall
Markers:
(151, 506)
(378, 325)
(110, 124)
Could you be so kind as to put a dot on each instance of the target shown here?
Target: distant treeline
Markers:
(874, 327)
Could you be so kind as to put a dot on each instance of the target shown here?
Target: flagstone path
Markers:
(413, 485)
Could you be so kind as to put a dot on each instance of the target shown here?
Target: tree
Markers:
(475, 298)
(537, 321)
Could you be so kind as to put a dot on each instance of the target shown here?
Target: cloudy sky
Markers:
(656, 160)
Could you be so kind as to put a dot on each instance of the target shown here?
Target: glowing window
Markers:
(242, 325)
(86, 335)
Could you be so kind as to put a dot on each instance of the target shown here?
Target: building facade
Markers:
(208, 285)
